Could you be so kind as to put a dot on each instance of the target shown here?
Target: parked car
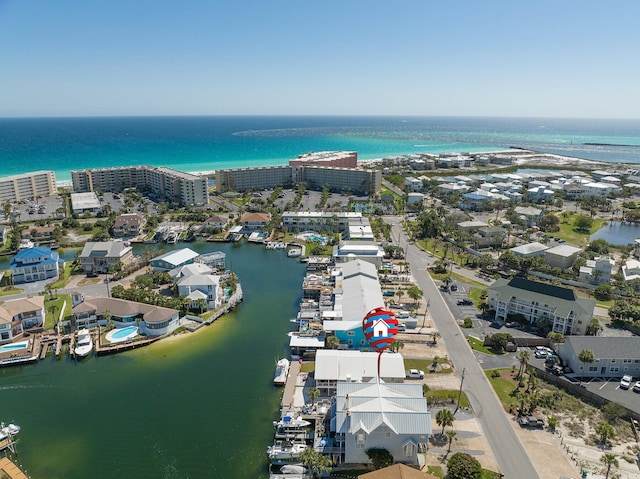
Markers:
(541, 353)
(454, 287)
(465, 302)
(414, 374)
(514, 325)
(636, 387)
(389, 293)
(402, 327)
(625, 382)
(530, 421)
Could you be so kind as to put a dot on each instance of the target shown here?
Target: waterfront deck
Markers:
(290, 386)
(11, 470)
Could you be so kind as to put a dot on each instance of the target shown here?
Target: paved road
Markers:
(510, 454)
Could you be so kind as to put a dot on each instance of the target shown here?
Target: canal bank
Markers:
(199, 406)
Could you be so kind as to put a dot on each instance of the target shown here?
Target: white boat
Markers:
(290, 422)
(282, 371)
(172, 238)
(85, 344)
(285, 451)
(8, 430)
(288, 471)
(294, 252)
(25, 244)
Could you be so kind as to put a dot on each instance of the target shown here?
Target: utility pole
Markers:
(460, 392)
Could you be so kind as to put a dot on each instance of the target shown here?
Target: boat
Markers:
(172, 238)
(282, 371)
(85, 344)
(26, 244)
(285, 451)
(288, 471)
(291, 427)
(8, 430)
(294, 252)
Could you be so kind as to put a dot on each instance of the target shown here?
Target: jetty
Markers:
(11, 470)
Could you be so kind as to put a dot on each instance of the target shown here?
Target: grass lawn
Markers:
(436, 471)
(65, 275)
(504, 386)
(308, 367)
(7, 290)
(425, 365)
(444, 396)
(568, 233)
(52, 308)
(476, 293)
(478, 345)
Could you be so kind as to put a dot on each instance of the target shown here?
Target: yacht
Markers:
(285, 451)
(8, 430)
(288, 471)
(84, 346)
(282, 371)
(294, 252)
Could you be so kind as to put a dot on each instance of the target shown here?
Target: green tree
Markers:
(609, 460)
(313, 394)
(315, 462)
(444, 418)
(434, 337)
(523, 358)
(332, 342)
(555, 337)
(594, 327)
(586, 356)
(379, 457)
(606, 432)
(451, 435)
(463, 466)
(583, 223)
(396, 345)
(415, 293)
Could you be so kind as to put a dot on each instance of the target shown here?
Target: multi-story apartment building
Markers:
(27, 186)
(336, 159)
(309, 220)
(358, 181)
(173, 185)
(561, 308)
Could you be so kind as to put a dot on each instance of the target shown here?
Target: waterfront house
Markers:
(397, 471)
(615, 356)
(128, 225)
(349, 250)
(173, 259)
(560, 308)
(196, 287)
(392, 416)
(335, 365)
(99, 257)
(35, 264)
(251, 222)
(39, 234)
(151, 320)
(180, 272)
(631, 269)
(216, 222)
(19, 315)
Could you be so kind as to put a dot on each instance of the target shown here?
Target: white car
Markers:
(636, 387)
(625, 382)
(415, 374)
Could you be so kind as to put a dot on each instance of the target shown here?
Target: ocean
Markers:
(199, 144)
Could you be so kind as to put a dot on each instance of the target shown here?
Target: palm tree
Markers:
(523, 357)
(332, 342)
(609, 460)
(586, 356)
(315, 461)
(396, 345)
(451, 435)
(313, 393)
(444, 418)
(434, 337)
(415, 293)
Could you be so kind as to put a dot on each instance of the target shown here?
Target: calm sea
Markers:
(210, 143)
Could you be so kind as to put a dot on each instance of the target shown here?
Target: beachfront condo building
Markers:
(166, 183)
(27, 186)
(336, 159)
(355, 180)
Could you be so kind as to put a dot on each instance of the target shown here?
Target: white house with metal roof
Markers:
(334, 365)
(99, 256)
(562, 256)
(529, 250)
(368, 251)
(201, 286)
(392, 416)
(173, 259)
(615, 356)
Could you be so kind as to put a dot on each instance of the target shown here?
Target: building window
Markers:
(360, 439)
(614, 369)
(409, 450)
(593, 369)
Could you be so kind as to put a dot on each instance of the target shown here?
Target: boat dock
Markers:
(290, 386)
(10, 469)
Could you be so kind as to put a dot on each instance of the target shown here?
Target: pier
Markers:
(10, 469)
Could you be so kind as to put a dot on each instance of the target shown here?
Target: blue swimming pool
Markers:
(7, 348)
(122, 334)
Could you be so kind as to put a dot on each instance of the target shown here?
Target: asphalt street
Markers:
(510, 454)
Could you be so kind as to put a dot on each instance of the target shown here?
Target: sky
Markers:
(543, 58)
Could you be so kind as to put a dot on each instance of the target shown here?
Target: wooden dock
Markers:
(11, 470)
(290, 385)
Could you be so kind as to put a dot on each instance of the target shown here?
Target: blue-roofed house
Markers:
(35, 264)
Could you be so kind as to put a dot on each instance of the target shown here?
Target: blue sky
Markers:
(569, 58)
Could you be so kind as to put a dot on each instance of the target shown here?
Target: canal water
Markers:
(617, 233)
(199, 405)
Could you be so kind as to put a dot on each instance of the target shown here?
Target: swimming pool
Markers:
(122, 334)
(7, 348)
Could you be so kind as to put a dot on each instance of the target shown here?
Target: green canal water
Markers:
(197, 406)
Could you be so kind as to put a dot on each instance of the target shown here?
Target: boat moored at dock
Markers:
(282, 371)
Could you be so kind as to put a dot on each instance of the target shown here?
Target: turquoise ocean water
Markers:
(210, 143)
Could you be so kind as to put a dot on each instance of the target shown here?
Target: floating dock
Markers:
(11, 470)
